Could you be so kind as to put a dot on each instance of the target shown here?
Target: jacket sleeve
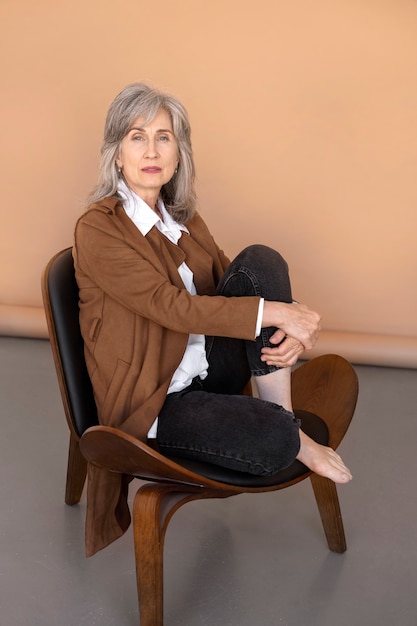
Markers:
(136, 278)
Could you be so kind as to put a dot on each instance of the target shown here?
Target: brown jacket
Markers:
(135, 317)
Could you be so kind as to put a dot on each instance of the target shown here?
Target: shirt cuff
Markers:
(153, 430)
(260, 316)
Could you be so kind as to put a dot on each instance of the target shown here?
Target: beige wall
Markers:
(305, 133)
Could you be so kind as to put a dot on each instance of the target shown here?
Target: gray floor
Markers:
(247, 561)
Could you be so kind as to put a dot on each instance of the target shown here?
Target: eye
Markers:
(137, 138)
(164, 138)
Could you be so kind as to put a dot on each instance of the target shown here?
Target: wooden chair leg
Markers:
(328, 504)
(76, 472)
(153, 507)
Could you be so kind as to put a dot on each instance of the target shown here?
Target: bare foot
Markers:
(322, 460)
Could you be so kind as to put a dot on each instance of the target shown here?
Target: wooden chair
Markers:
(326, 387)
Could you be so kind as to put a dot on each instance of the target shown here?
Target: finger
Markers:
(277, 337)
(282, 359)
(289, 345)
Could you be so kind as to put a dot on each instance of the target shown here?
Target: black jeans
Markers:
(210, 420)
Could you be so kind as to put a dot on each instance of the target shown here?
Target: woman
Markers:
(173, 331)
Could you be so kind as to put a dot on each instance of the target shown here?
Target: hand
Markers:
(285, 354)
(295, 320)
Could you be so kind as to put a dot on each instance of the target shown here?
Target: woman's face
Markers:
(148, 156)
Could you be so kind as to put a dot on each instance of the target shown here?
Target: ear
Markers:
(118, 159)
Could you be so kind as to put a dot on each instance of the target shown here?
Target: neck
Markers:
(157, 211)
(150, 198)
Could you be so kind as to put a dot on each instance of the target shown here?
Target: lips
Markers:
(151, 170)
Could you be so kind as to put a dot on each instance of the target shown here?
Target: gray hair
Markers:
(141, 100)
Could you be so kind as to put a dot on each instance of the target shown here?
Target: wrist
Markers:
(273, 314)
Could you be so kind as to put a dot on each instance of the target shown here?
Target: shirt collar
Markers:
(145, 218)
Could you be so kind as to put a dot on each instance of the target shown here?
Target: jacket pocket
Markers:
(94, 329)
(117, 398)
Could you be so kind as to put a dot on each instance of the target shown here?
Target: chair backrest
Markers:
(60, 295)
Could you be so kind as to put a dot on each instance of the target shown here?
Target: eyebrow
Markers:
(160, 130)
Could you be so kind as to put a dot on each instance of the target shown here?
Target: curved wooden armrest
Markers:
(116, 451)
(328, 387)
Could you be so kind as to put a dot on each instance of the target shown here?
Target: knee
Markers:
(257, 270)
(260, 256)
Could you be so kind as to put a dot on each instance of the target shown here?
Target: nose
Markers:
(151, 149)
